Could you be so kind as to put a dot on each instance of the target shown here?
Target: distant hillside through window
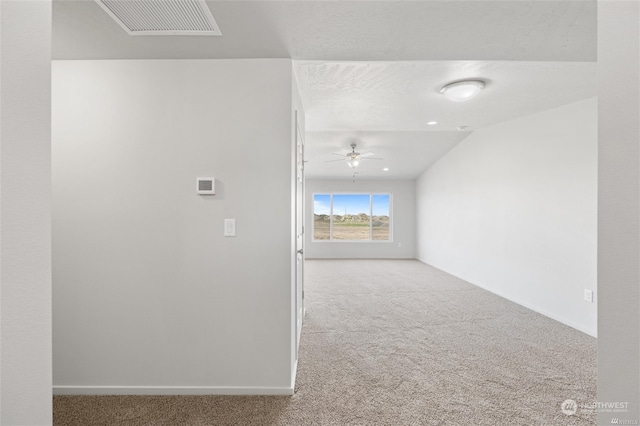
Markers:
(352, 217)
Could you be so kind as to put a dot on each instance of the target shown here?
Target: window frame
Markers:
(370, 240)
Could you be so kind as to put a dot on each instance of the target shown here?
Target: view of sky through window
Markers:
(351, 204)
(322, 204)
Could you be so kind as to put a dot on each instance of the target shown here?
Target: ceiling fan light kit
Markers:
(354, 158)
(461, 91)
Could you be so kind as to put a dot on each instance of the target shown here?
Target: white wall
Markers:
(26, 401)
(512, 209)
(619, 207)
(25, 221)
(403, 221)
(149, 296)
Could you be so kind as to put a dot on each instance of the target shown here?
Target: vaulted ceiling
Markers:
(370, 71)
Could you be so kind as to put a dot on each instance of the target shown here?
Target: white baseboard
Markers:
(591, 332)
(171, 390)
(587, 330)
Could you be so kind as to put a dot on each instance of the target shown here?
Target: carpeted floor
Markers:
(390, 342)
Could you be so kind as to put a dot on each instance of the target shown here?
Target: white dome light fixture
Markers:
(353, 162)
(461, 91)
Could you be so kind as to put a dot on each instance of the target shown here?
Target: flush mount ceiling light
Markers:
(460, 91)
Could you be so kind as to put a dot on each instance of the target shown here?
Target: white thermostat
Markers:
(206, 186)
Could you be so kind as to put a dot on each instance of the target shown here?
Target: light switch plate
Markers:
(229, 227)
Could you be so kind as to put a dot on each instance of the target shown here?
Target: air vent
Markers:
(162, 17)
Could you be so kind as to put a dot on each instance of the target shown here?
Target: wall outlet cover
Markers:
(588, 295)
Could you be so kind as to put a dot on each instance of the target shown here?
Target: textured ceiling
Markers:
(384, 107)
(370, 71)
(406, 154)
(347, 30)
(404, 96)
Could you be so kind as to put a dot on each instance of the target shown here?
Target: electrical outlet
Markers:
(588, 296)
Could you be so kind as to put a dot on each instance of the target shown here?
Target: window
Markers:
(352, 217)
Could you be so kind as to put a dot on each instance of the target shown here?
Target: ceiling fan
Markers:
(353, 158)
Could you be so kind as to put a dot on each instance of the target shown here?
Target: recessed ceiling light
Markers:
(460, 91)
(432, 123)
(386, 169)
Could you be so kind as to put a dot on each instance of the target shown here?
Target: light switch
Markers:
(229, 227)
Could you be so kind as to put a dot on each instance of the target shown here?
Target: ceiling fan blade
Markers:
(367, 154)
(341, 154)
(372, 158)
(333, 161)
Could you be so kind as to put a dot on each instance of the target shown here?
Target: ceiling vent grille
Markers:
(162, 17)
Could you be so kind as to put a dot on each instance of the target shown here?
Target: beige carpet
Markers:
(395, 343)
